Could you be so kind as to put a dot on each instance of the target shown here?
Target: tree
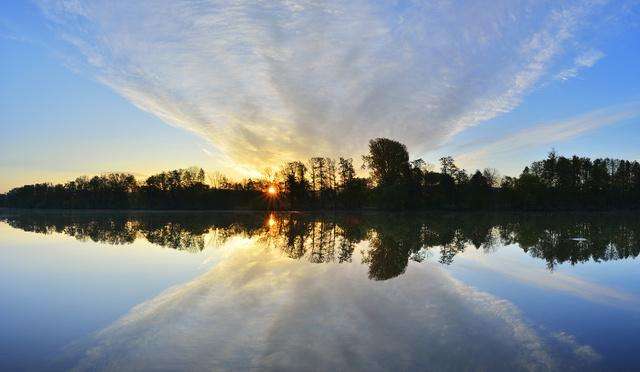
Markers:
(352, 191)
(219, 181)
(395, 183)
(477, 191)
(493, 177)
(448, 166)
(295, 184)
(388, 161)
(346, 171)
(323, 179)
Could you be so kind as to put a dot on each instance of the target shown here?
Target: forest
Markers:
(392, 182)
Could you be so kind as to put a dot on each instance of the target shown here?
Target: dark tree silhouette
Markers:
(394, 183)
(388, 161)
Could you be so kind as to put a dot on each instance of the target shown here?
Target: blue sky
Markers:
(91, 87)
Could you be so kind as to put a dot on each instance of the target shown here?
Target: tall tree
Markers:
(346, 171)
(388, 161)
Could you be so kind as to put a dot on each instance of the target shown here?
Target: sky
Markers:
(88, 87)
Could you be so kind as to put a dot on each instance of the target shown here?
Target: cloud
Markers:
(559, 281)
(259, 309)
(207, 152)
(269, 81)
(584, 60)
(10, 31)
(552, 132)
(585, 352)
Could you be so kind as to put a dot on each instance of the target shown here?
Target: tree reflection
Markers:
(389, 242)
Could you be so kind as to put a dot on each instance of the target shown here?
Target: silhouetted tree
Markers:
(352, 192)
(388, 163)
(296, 186)
(323, 180)
(346, 171)
(394, 183)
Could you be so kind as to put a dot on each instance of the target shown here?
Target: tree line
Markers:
(391, 244)
(394, 182)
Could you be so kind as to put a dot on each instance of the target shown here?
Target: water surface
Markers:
(234, 291)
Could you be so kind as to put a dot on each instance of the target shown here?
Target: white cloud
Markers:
(584, 60)
(523, 271)
(268, 81)
(259, 309)
(585, 352)
(207, 152)
(550, 133)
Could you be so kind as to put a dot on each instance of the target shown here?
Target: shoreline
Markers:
(316, 211)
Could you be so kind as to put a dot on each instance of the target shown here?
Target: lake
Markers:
(293, 291)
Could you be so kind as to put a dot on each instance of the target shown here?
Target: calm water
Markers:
(207, 291)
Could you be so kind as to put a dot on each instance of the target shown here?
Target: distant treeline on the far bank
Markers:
(393, 183)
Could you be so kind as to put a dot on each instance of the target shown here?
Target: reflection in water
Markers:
(391, 242)
(289, 291)
(258, 308)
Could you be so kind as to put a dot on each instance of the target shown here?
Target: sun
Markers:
(272, 191)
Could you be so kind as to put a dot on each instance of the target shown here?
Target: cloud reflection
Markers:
(579, 287)
(259, 308)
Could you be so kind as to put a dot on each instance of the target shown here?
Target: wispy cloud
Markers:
(9, 31)
(584, 60)
(207, 152)
(268, 81)
(551, 133)
(259, 309)
(540, 276)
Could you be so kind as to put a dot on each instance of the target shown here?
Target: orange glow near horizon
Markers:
(272, 191)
